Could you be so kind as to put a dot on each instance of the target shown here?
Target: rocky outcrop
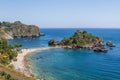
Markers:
(5, 35)
(110, 44)
(53, 42)
(99, 49)
(18, 30)
(83, 40)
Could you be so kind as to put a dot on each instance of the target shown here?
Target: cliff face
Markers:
(18, 29)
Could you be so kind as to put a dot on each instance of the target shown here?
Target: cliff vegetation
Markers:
(17, 29)
(83, 40)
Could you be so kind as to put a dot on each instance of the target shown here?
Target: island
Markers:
(18, 30)
(82, 40)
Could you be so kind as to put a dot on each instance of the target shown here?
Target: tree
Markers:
(0, 23)
(8, 76)
(7, 24)
(2, 73)
(8, 52)
(17, 45)
(84, 32)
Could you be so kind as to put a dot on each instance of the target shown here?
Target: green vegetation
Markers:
(7, 52)
(5, 76)
(5, 24)
(17, 45)
(15, 75)
(18, 29)
(80, 38)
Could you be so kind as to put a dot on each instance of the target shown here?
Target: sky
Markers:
(62, 13)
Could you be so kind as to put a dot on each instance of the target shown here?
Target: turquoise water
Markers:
(61, 64)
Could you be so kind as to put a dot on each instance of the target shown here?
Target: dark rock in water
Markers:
(98, 49)
(110, 44)
(53, 42)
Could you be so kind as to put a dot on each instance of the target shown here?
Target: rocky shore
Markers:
(18, 30)
(22, 64)
(83, 40)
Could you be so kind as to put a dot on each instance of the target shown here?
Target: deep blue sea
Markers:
(61, 64)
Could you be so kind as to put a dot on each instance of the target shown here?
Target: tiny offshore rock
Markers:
(110, 44)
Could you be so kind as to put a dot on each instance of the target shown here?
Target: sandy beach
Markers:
(21, 63)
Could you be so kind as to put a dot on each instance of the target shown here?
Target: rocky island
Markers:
(18, 30)
(82, 40)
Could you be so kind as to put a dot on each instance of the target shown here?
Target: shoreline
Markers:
(22, 64)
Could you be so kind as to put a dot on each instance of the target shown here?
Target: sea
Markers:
(62, 64)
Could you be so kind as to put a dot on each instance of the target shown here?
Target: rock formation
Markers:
(81, 39)
(17, 30)
(110, 44)
(53, 42)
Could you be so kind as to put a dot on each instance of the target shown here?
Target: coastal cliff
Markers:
(83, 40)
(18, 30)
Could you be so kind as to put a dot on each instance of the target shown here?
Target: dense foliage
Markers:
(7, 52)
(80, 38)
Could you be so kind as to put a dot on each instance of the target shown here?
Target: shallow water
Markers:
(61, 64)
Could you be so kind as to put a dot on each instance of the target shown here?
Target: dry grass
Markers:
(15, 74)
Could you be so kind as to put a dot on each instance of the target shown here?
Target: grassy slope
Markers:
(15, 74)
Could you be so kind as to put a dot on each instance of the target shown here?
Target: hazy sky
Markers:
(62, 13)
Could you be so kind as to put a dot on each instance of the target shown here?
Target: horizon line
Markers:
(79, 27)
